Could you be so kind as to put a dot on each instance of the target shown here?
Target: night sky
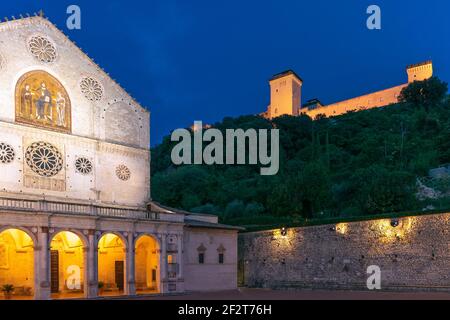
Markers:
(205, 60)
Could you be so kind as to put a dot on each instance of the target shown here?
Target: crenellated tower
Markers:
(285, 94)
(420, 71)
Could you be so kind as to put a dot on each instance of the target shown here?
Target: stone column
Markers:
(180, 275)
(180, 256)
(43, 267)
(91, 290)
(130, 268)
(37, 248)
(163, 264)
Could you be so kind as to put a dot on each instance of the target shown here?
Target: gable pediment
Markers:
(35, 46)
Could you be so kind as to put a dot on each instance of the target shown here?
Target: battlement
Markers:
(286, 87)
(285, 74)
(420, 71)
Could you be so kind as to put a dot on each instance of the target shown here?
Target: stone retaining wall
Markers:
(414, 254)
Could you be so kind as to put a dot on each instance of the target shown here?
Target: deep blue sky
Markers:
(203, 60)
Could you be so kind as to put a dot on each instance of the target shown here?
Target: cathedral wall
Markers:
(413, 254)
(211, 275)
(52, 93)
(369, 101)
(89, 89)
(101, 184)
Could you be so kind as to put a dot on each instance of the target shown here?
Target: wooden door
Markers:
(120, 274)
(54, 271)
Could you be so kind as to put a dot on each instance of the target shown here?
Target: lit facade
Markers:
(76, 218)
(286, 100)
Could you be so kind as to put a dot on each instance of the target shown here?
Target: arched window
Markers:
(221, 251)
(201, 254)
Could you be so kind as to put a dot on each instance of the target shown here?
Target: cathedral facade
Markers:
(76, 216)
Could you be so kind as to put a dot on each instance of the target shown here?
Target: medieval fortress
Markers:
(286, 92)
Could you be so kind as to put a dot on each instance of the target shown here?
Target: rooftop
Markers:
(312, 102)
(419, 64)
(286, 73)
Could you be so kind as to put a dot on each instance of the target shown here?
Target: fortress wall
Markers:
(415, 254)
(369, 101)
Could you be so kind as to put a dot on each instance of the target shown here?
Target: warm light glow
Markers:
(17, 262)
(70, 239)
(389, 233)
(147, 265)
(110, 240)
(68, 256)
(111, 264)
(279, 234)
(342, 228)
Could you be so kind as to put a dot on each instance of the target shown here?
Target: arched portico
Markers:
(111, 265)
(67, 265)
(17, 262)
(147, 265)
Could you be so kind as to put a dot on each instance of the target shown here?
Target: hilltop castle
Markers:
(286, 88)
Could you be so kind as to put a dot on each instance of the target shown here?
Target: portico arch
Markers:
(147, 265)
(111, 264)
(17, 262)
(67, 265)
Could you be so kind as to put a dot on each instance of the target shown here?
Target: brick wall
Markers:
(415, 254)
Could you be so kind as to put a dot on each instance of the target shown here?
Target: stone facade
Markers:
(212, 273)
(75, 200)
(412, 253)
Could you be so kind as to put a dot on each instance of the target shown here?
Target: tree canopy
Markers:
(360, 163)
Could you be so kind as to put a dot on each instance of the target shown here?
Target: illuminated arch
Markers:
(17, 261)
(150, 235)
(79, 234)
(24, 229)
(67, 265)
(147, 264)
(111, 264)
(41, 100)
(118, 234)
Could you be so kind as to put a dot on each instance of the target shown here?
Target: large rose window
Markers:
(44, 159)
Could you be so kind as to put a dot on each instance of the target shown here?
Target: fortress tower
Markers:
(285, 94)
(420, 71)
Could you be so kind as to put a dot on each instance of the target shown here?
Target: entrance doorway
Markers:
(111, 265)
(147, 265)
(67, 266)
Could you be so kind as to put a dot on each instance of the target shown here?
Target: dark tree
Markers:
(427, 93)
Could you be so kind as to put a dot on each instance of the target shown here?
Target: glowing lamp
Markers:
(283, 232)
(394, 223)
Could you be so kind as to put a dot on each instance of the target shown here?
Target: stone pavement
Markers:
(267, 294)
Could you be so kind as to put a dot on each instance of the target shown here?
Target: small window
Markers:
(201, 258)
(221, 258)
(170, 259)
